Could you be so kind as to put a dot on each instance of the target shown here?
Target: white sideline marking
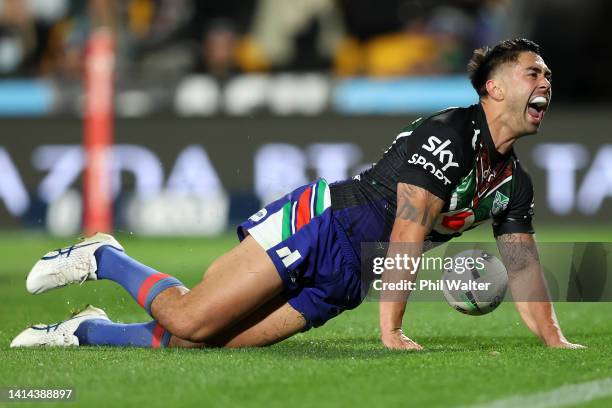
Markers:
(563, 396)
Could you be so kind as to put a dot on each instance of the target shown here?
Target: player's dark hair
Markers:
(485, 60)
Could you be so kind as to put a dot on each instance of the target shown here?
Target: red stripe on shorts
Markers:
(147, 285)
(303, 209)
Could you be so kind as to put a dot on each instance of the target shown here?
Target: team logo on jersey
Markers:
(438, 149)
(500, 203)
(258, 216)
(287, 256)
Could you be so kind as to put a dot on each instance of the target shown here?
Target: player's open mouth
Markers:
(536, 107)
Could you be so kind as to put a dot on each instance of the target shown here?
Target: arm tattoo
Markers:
(517, 251)
(417, 205)
(406, 210)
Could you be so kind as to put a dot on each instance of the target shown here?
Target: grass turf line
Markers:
(467, 360)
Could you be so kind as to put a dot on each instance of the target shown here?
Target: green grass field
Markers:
(468, 360)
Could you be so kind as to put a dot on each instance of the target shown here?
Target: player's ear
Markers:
(494, 90)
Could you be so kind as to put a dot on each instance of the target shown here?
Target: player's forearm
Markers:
(393, 302)
(416, 211)
(528, 285)
(523, 309)
(546, 326)
(533, 303)
(391, 316)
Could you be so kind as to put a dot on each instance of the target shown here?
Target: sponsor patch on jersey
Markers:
(439, 149)
(419, 160)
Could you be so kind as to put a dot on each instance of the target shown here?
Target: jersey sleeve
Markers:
(517, 218)
(434, 159)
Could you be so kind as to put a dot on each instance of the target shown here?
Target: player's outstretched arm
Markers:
(520, 255)
(416, 210)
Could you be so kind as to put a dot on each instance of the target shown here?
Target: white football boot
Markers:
(59, 334)
(75, 263)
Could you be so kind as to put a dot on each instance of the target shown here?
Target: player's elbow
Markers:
(411, 238)
(407, 232)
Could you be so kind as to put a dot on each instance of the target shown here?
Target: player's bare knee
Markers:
(203, 333)
(189, 332)
(199, 328)
(191, 327)
(182, 328)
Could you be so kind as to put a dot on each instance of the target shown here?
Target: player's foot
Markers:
(59, 334)
(75, 263)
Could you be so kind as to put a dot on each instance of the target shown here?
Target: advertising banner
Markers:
(201, 175)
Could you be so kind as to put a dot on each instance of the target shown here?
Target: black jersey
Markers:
(450, 154)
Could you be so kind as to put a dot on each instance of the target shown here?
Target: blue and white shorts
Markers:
(319, 268)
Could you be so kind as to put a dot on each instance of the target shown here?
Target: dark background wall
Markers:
(579, 139)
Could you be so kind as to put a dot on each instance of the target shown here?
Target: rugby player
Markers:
(298, 262)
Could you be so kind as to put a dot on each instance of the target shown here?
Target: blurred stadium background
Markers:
(220, 106)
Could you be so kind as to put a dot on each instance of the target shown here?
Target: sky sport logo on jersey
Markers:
(439, 150)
